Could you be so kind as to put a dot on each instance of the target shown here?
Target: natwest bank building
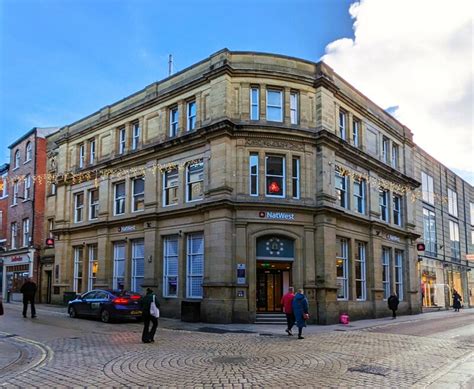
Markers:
(16, 267)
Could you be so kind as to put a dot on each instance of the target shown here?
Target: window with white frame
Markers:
(78, 207)
(119, 198)
(4, 187)
(254, 104)
(195, 181)
(93, 204)
(429, 232)
(383, 201)
(27, 188)
(50, 228)
(138, 264)
(360, 272)
(359, 195)
(397, 210)
(135, 135)
(92, 151)
(385, 149)
(191, 116)
(138, 194)
(454, 238)
(77, 276)
(356, 132)
(294, 108)
(295, 177)
(471, 209)
(399, 274)
(26, 232)
(253, 167)
(17, 159)
(118, 281)
(122, 135)
(341, 188)
(386, 254)
(342, 268)
(274, 105)
(170, 266)
(275, 176)
(29, 152)
(342, 124)
(52, 189)
(174, 117)
(170, 186)
(452, 203)
(395, 155)
(427, 188)
(195, 265)
(93, 266)
(13, 235)
(15, 193)
(82, 155)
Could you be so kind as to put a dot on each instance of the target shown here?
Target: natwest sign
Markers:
(270, 215)
(16, 259)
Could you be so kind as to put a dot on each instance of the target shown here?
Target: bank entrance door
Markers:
(273, 280)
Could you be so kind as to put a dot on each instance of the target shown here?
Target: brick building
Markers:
(3, 215)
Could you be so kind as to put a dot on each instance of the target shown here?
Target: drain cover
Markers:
(232, 360)
(368, 369)
(213, 330)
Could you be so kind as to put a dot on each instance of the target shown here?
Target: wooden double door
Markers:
(273, 281)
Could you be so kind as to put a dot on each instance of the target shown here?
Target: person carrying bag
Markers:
(150, 313)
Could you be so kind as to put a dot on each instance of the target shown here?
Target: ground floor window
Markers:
(360, 272)
(170, 266)
(93, 266)
(342, 269)
(195, 265)
(386, 272)
(78, 260)
(119, 266)
(138, 264)
(399, 274)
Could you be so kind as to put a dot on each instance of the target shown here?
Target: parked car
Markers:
(106, 305)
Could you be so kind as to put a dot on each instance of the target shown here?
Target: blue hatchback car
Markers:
(106, 305)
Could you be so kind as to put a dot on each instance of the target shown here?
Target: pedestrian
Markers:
(456, 301)
(149, 299)
(29, 290)
(393, 302)
(300, 310)
(287, 303)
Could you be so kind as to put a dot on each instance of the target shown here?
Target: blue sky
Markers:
(63, 59)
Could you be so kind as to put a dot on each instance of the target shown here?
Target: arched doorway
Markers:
(275, 256)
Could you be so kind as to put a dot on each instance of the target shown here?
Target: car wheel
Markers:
(72, 312)
(105, 316)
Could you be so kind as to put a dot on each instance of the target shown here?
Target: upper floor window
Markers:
(194, 181)
(397, 210)
(342, 124)
(93, 204)
(119, 198)
(17, 159)
(170, 186)
(50, 228)
(341, 189)
(471, 208)
(294, 108)
(122, 140)
(27, 188)
(191, 116)
(253, 167)
(427, 188)
(4, 187)
(29, 152)
(174, 116)
(254, 104)
(135, 135)
(356, 132)
(359, 195)
(78, 207)
(454, 238)
(295, 177)
(452, 202)
(274, 105)
(383, 201)
(26, 232)
(13, 235)
(385, 149)
(15, 193)
(92, 151)
(82, 155)
(395, 155)
(52, 189)
(429, 231)
(275, 177)
(138, 197)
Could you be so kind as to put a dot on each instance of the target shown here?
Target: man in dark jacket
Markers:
(393, 304)
(147, 334)
(29, 290)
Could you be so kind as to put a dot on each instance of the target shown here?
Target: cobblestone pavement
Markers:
(108, 355)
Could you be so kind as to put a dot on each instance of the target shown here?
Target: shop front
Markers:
(433, 284)
(16, 268)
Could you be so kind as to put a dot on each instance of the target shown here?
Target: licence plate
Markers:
(136, 312)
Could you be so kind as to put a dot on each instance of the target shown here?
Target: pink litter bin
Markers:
(344, 318)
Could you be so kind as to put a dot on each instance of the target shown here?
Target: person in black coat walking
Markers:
(393, 302)
(29, 290)
(148, 336)
(456, 301)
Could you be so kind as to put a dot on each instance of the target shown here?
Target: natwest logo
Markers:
(276, 215)
(17, 259)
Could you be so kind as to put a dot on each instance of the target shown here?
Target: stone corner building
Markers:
(229, 181)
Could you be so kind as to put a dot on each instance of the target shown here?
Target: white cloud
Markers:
(416, 55)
